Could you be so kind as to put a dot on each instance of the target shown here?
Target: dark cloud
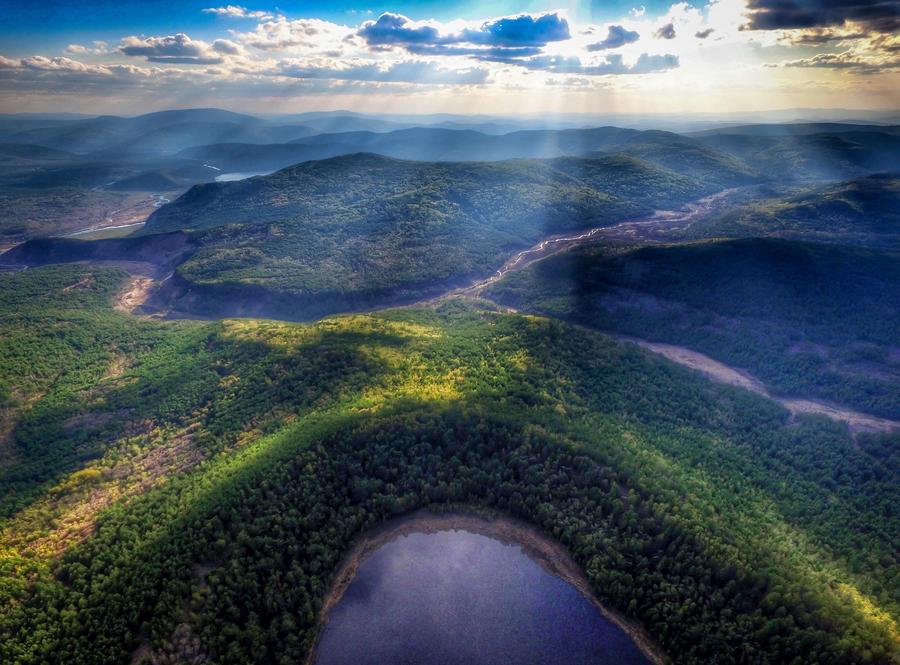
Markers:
(703, 34)
(666, 32)
(512, 32)
(174, 49)
(522, 30)
(396, 29)
(875, 15)
(616, 36)
(820, 37)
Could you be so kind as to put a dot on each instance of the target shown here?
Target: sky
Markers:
(504, 57)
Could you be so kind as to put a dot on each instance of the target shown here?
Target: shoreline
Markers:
(547, 553)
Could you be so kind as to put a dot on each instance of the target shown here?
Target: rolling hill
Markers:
(864, 211)
(807, 319)
(822, 156)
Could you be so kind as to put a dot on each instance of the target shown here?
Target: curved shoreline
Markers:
(547, 553)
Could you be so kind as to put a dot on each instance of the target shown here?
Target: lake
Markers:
(454, 596)
(239, 175)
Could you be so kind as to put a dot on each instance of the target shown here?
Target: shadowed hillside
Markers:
(807, 319)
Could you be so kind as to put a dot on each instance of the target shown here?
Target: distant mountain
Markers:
(162, 132)
(420, 143)
(726, 158)
(24, 151)
(822, 156)
(665, 149)
(798, 129)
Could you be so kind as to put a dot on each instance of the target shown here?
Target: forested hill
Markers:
(862, 211)
(183, 491)
(365, 230)
(808, 319)
(567, 191)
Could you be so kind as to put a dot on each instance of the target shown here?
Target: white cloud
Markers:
(98, 47)
(236, 11)
(282, 34)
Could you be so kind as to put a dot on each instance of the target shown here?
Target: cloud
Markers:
(67, 76)
(99, 48)
(649, 64)
(637, 12)
(236, 11)
(308, 33)
(411, 71)
(875, 15)
(616, 36)
(390, 29)
(703, 34)
(612, 65)
(666, 32)
(476, 52)
(227, 47)
(847, 60)
(819, 37)
(173, 49)
(523, 30)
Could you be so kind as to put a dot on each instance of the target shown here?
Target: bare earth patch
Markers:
(135, 294)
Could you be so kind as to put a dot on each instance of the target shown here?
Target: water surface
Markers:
(239, 175)
(455, 597)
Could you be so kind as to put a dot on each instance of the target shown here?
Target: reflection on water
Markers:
(458, 597)
(239, 175)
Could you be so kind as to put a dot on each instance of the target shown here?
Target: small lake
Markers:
(239, 175)
(452, 596)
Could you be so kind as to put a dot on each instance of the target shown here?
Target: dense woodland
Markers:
(864, 211)
(807, 319)
(183, 491)
(373, 227)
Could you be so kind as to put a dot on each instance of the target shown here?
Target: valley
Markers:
(649, 372)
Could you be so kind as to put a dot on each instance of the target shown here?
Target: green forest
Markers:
(808, 319)
(185, 490)
(863, 211)
(370, 227)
